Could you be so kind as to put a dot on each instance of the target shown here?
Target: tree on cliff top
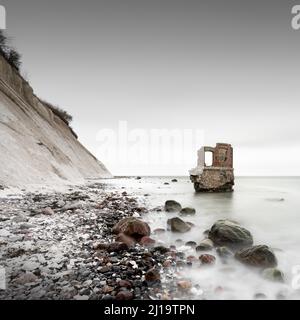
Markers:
(10, 54)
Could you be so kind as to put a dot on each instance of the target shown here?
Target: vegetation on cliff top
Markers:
(14, 59)
(9, 53)
(62, 114)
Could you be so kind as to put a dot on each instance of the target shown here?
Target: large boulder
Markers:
(178, 225)
(132, 227)
(172, 206)
(257, 256)
(230, 234)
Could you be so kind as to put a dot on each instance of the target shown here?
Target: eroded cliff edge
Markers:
(36, 146)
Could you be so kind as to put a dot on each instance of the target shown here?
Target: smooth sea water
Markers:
(268, 207)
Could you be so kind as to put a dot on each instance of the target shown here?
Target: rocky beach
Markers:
(100, 242)
(70, 246)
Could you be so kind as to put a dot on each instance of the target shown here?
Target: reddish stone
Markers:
(152, 275)
(207, 259)
(132, 227)
(147, 241)
(124, 295)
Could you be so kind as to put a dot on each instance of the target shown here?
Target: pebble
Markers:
(207, 259)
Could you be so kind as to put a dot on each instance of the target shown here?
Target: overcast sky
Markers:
(228, 68)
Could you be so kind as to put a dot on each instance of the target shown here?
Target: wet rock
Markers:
(121, 237)
(172, 206)
(147, 241)
(178, 225)
(180, 264)
(124, 295)
(174, 180)
(132, 227)
(47, 211)
(187, 211)
(191, 244)
(260, 296)
(152, 275)
(180, 254)
(184, 285)
(224, 252)
(207, 259)
(230, 234)
(273, 274)
(257, 256)
(206, 232)
(205, 245)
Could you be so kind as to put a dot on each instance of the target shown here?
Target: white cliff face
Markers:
(37, 147)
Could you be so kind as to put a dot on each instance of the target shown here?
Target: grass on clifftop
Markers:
(9, 53)
(62, 114)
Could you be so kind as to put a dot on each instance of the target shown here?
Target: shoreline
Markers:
(61, 245)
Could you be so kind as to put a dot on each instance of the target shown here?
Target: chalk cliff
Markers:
(36, 146)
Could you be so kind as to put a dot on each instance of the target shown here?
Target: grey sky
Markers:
(229, 67)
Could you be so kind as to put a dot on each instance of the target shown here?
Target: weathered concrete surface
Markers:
(37, 147)
(218, 177)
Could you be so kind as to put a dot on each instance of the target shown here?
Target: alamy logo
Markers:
(296, 17)
(2, 18)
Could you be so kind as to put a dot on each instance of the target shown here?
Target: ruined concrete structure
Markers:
(218, 176)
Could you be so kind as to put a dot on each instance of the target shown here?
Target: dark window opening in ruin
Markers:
(208, 158)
